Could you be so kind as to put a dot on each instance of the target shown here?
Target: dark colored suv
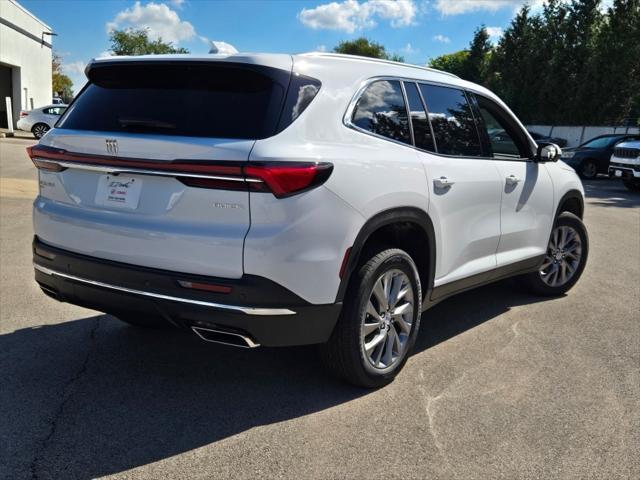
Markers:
(592, 157)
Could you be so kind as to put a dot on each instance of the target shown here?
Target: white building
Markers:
(25, 60)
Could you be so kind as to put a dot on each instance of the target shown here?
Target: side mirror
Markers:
(548, 152)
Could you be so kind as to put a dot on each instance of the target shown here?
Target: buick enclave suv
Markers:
(286, 200)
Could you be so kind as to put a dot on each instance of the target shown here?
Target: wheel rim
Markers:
(589, 169)
(40, 130)
(563, 257)
(387, 322)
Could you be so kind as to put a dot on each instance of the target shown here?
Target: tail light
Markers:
(23, 114)
(285, 179)
(282, 179)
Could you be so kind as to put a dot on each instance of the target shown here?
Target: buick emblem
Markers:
(112, 146)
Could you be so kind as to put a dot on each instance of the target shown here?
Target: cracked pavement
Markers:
(502, 384)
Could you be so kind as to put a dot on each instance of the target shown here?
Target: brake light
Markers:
(43, 163)
(23, 114)
(284, 179)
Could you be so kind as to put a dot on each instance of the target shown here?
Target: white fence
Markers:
(577, 135)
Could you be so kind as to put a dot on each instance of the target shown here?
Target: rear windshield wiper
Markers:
(145, 123)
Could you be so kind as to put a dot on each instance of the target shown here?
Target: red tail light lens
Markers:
(23, 114)
(284, 179)
(42, 163)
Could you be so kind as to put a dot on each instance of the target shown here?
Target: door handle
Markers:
(443, 182)
(512, 180)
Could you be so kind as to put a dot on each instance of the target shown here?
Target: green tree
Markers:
(366, 48)
(451, 62)
(479, 51)
(61, 84)
(136, 42)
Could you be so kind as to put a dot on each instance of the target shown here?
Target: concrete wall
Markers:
(577, 135)
(28, 57)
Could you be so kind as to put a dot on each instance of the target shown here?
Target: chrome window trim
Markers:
(346, 119)
(141, 171)
(220, 306)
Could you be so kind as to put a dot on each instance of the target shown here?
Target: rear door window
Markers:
(422, 134)
(381, 110)
(189, 99)
(452, 121)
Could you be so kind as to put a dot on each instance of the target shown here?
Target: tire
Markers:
(345, 353)
(588, 169)
(144, 321)
(633, 185)
(39, 130)
(566, 257)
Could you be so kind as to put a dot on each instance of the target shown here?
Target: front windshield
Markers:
(602, 142)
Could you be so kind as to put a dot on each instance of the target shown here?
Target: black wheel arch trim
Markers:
(388, 217)
(570, 195)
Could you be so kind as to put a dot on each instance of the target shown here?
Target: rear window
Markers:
(188, 99)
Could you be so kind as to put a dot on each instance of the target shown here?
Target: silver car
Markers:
(40, 120)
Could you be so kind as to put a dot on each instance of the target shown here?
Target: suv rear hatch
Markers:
(145, 167)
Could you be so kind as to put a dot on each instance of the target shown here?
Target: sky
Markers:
(416, 29)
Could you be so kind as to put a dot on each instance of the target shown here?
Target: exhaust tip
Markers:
(225, 337)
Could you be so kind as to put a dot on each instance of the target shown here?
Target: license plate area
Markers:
(118, 191)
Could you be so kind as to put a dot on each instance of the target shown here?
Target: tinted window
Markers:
(452, 121)
(502, 144)
(191, 99)
(421, 129)
(302, 90)
(602, 142)
(381, 110)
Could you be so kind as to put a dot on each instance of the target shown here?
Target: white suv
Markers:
(285, 200)
(625, 164)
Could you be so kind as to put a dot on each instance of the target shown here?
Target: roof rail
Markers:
(377, 60)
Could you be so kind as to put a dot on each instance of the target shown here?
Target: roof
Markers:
(358, 58)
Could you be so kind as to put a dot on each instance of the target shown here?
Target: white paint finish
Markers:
(30, 60)
(465, 216)
(300, 241)
(527, 210)
(174, 227)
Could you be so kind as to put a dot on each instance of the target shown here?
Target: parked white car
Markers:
(40, 120)
(276, 200)
(625, 164)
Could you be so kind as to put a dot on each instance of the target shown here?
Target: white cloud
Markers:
(441, 38)
(160, 20)
(321, 48)
(352, 15)
(177, 3)
(457, 7)
(73, 68)
(494, 33)
(409, 49)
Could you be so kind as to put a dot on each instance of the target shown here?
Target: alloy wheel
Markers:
(40, 130)
(387, 322)
(563, 257)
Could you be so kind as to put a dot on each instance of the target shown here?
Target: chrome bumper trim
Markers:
(220, 306)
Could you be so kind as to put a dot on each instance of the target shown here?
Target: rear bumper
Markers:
(262, 310)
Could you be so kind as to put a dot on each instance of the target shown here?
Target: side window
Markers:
(452, 121)
(501, 133)
(381, 110)
(422, 134)
(47, 111)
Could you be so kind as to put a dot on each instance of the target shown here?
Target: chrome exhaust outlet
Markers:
(225, 337)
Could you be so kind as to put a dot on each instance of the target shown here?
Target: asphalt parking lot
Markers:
(502, 384)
